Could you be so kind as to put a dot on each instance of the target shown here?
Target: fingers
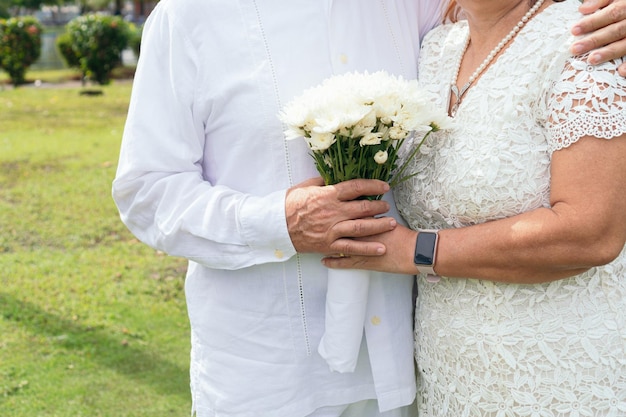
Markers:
(351, 247)
(364, 227)
(319, 216)
(398, 256)
(361, 228)
(605, 44)
(353, 189)
(613, 51)
(360, 209)
(343, 262)
(605, 30)
(590, 6)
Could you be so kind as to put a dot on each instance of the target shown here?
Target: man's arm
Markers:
(602, 30)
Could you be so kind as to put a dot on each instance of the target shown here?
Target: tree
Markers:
(4, 9)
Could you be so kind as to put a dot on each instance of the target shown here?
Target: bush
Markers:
(20, 46)
(64, 46)
(98, 42)
(135, 40)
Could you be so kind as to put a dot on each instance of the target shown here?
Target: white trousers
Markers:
(367, 408)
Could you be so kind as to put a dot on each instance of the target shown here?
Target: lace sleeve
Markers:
(586, 101)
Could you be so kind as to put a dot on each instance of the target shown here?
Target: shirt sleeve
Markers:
(586, 101)
(430, 15)
(160, 190)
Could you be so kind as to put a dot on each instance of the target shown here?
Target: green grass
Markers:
(92, 322)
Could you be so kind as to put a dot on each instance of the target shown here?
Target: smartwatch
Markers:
(426, 251)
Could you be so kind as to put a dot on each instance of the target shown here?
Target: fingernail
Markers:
(393, 223)
(578, 49)
(594, 58)
(380, 251)
(577, 30)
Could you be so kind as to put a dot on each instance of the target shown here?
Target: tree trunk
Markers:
(118, 8)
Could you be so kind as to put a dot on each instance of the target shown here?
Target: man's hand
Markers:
(605, 27)
(324, 219)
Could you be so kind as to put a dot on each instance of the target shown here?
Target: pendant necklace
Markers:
(459, 93)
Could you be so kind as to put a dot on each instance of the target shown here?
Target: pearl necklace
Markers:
(458, 94)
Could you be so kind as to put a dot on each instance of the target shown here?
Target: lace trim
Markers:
(586, 101)
(605, 126)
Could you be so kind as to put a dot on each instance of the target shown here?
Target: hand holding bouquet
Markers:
(355, 125)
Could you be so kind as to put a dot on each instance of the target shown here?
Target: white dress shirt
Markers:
(203, 173)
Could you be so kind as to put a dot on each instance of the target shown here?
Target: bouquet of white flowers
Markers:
(355, 125)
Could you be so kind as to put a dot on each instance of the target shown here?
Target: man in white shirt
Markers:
(205, 174)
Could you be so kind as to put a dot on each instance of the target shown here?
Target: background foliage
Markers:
(20, 46)
(96, 42)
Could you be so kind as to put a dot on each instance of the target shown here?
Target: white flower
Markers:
(368, 121)
(381, 157)
(372, 138)
(321, 141)
(358, 131)
(293, 132)
(386, 107)
(396, 132)
(370, 108)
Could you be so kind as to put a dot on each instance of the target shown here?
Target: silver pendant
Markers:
(458, 95)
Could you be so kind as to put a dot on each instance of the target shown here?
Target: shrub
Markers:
(135, 40)
(20, 46)
(98, 42)
(64, 46)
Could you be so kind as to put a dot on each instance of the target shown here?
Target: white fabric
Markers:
(203, 173)
(346, 308)
(498, 350)
(365, 408)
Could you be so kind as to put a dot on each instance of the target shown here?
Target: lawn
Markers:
(92, 322)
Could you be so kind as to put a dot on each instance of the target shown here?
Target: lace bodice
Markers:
(494, 350)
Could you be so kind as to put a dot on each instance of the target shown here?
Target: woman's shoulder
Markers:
(457, 30)
(444, 39)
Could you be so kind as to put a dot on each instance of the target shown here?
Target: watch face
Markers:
(425, 248)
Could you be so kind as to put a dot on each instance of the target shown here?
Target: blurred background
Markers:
(92, 322)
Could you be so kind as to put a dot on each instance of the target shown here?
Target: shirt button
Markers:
(279, 254)
(343, 58)
(375, 320)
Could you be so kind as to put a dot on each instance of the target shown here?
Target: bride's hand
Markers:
(398, 258)
(604, 28)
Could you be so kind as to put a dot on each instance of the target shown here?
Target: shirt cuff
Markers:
(263, 225)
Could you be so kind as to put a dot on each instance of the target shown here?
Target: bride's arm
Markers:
(585, 226)
(604, 29)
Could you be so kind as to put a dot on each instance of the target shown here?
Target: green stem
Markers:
(396, 181)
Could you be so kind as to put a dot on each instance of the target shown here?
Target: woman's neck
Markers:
(493, 24)
(490, 21)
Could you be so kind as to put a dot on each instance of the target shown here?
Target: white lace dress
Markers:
(500, 350)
